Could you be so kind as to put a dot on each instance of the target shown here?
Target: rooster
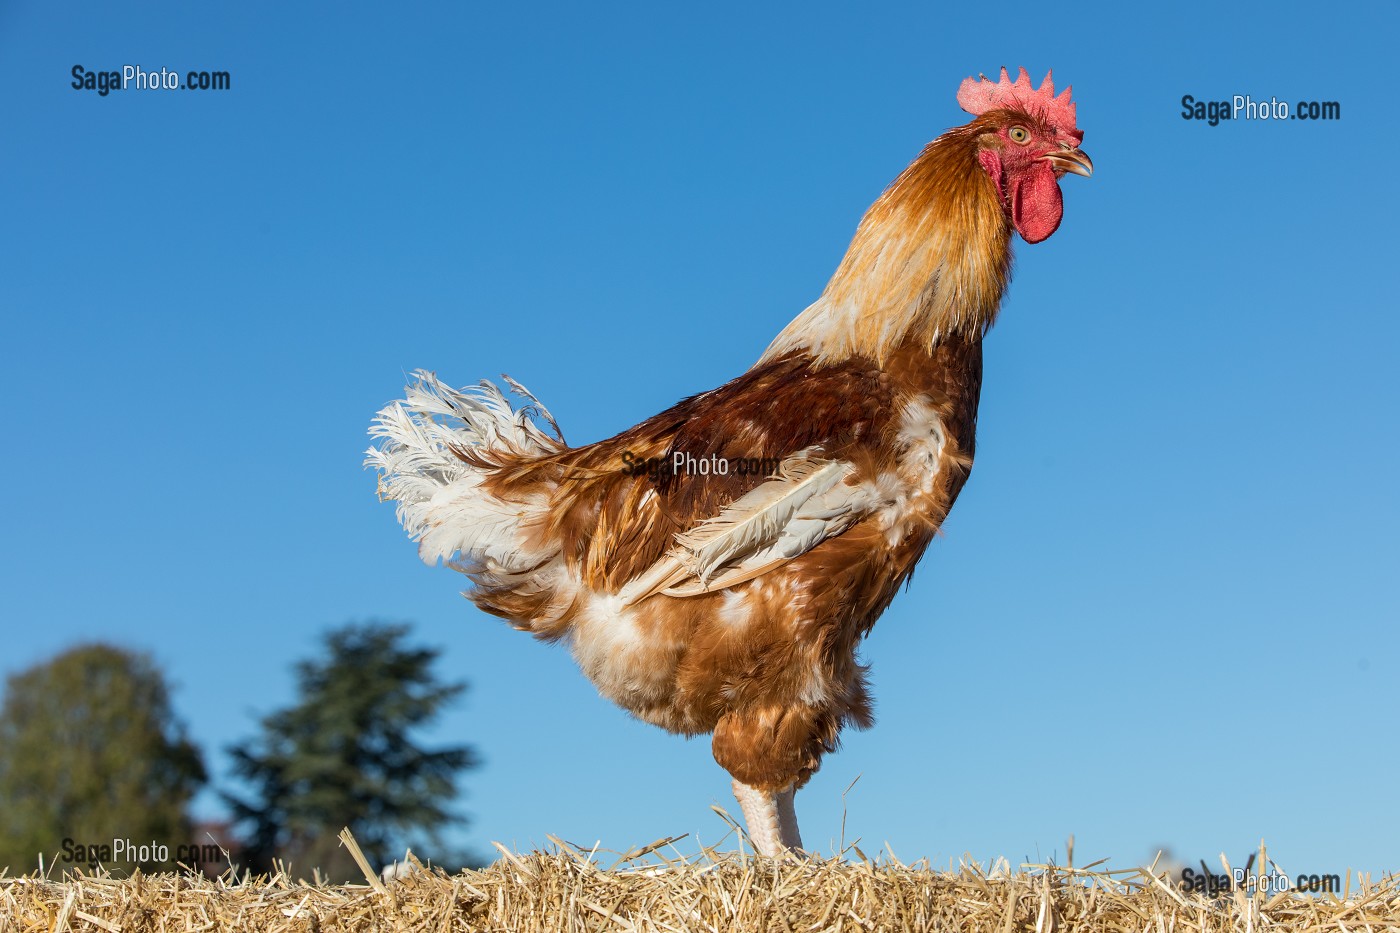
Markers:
(714, 568)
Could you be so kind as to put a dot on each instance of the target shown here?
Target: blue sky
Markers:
(1163, 611)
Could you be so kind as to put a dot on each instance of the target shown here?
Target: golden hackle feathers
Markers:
(930, 258)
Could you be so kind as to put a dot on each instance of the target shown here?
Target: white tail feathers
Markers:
(440, 500)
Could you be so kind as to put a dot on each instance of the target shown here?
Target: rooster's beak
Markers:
(1070, 160)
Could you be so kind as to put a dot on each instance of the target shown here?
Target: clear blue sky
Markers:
(1164, 610)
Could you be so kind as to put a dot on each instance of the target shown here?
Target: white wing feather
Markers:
(760, 516)
(805, 504)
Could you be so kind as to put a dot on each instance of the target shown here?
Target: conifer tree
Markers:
(345, 755)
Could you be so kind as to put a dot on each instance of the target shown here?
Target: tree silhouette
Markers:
(344, 755)
(91, 752)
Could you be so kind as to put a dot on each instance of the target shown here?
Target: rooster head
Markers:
(1026, 140)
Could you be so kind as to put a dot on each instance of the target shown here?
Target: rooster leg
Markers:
(787, 819)
(771, 818)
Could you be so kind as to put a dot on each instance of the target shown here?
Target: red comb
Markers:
(980, 94)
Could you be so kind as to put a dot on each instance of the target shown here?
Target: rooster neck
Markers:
(930, 259)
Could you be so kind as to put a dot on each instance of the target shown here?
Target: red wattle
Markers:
(1036, 205)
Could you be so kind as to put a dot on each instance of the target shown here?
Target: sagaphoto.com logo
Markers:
(1245, 107)
(152, 852)
(135, 77)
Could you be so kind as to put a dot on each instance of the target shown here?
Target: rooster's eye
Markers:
(1019, 134)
